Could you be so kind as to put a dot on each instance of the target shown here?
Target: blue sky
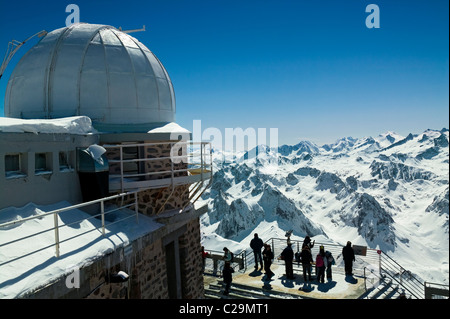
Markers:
(312, 69)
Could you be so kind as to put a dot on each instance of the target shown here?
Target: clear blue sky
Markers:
(312, 69)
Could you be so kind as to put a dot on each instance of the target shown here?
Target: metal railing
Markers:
(57, 226)
(195, 160)
(391, 269)
(214, 262)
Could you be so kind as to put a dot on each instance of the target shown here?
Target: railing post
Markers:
(172, 169)
(401, 276)
(121, 167)
(379, 262)
(55, 218)
(102, 211)
(136, 206)
(201, 159)
(365, 279)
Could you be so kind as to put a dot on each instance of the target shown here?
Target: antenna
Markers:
(131, 31)
(13, 46)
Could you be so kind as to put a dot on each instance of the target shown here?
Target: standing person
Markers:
(349, 258)
(227, 274)
(330, 262)
(267, 257)
(307, 242)
(307, 260)
(227, 256)
(321, 264)
(256, 244)
(288, 256)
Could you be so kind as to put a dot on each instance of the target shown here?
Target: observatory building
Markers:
(90, 127)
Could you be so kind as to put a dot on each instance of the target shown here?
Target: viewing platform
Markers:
(375, 276)
(255, 284)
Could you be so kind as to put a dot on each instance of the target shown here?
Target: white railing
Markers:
(193, 165)
(56, 226)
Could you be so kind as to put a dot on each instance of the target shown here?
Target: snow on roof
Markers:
(171, 127)
(79, 125)
(24, 265)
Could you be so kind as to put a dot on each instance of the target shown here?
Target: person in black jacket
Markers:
(307, 242)
(349, 257)
(257, 244)
(307, 260)
(227, 274)
(267, 257)
(288, 256)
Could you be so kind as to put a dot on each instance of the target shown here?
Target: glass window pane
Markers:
(12, 163)
(40, 163)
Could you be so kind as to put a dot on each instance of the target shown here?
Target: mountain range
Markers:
(387, 192)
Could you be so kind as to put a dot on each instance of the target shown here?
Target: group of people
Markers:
(323, 263)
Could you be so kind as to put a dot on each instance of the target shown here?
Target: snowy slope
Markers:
(388, 192)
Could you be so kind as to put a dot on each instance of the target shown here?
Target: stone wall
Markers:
(151, 201)
(191, 262)
(148, 274)
(148, 277)
(144, 260)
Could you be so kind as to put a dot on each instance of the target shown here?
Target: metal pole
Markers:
(379, 263)
(121, 167)
(401, 276)
(102, 210)
(55, 217)
(136, 207)
(201, 160)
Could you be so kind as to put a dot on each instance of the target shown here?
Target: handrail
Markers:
(396, 272)
(60, 210)
(195, 159)
(57, 227)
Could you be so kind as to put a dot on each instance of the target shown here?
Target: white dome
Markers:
(92, 70)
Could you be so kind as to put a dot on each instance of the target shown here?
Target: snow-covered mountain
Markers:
(387, 192)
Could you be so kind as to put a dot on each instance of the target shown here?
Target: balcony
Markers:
(158, 165)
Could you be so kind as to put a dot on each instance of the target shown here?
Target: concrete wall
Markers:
(46, 188)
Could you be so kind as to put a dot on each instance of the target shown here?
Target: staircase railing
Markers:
(404, 278)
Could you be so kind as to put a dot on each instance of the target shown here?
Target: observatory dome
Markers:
(92, 70)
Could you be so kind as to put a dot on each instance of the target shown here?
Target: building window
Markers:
(13, 166)
(42, 164)
(66, 161)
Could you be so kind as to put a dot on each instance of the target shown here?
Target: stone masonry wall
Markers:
(147, 270)
(191, 262)
(144, 260)
(148, 277)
